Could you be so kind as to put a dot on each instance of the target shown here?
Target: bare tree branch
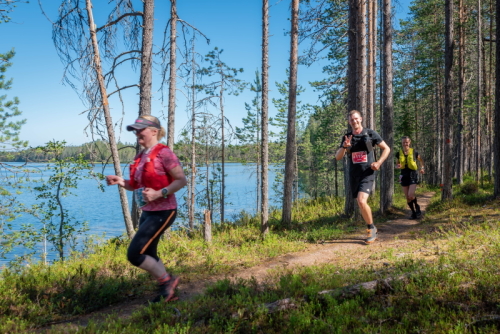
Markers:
(118, 20)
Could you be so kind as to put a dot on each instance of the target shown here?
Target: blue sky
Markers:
(54, 111)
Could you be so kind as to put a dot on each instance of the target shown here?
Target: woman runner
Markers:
(406, 160)
(155, 175)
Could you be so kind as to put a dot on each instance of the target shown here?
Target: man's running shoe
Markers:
(372, 235)
(166, 291)
(413, 215)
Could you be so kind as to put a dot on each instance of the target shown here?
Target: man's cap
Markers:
(142, 123)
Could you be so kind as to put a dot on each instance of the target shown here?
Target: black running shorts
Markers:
(409, 179)
(152, 224)
(362, 182)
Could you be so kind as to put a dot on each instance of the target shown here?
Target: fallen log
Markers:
(344, 292)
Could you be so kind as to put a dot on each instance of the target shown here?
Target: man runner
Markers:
(359, 144)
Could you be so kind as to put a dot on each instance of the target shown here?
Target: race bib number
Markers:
(359, 157)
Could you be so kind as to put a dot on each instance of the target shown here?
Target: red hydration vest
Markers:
(149, 177)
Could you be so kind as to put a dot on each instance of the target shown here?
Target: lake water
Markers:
(103, 212)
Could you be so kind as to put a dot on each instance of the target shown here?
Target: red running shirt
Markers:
(165, 161)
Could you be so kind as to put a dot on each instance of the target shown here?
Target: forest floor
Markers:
(349, 252)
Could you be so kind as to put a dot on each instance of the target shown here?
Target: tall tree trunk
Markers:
(292, 108)
(415, 99)
(489, 134)
(173, 74)
(387, 184)
(439, 130)
(448, 110)
(361, 59)
(223, 153)
(483, 142)
(479, 91)
(372, 64)
(496, 129)
(352, 68)
(264, 214)
(146, 80)
(461, 75)
(207, 173)
(109, 123)
(192, 186)
(352, 92)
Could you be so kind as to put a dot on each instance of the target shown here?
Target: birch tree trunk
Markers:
(109, 123)
(292, 107)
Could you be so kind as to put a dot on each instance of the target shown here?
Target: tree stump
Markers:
(207, 227)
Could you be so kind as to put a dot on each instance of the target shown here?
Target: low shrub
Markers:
(469, 188)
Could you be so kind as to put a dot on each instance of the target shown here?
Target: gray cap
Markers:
(142, 123)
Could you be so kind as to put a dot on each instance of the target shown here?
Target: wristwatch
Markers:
(164, 192)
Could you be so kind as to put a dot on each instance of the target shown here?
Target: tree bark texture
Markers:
(448, 97)
(207, 227)
(496, 129)
(109, 123)
(264, 212)
(352, 91)
(173, 74)
(372, 64)
(223, 151)
(387, 175)
(352, 69)
(361, 78)
(146, 79)
(292, 108)
(461, 82)
(479, 91)
(490, 93)
(192, 186)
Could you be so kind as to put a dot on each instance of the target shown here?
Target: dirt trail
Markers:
(390, 235)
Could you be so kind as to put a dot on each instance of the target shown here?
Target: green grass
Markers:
(448, 279)
(38, 295)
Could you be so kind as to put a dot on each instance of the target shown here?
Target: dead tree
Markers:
(75, 39)
(173, 73)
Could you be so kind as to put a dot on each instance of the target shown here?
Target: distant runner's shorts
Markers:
(409, 179)
(362, 182)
